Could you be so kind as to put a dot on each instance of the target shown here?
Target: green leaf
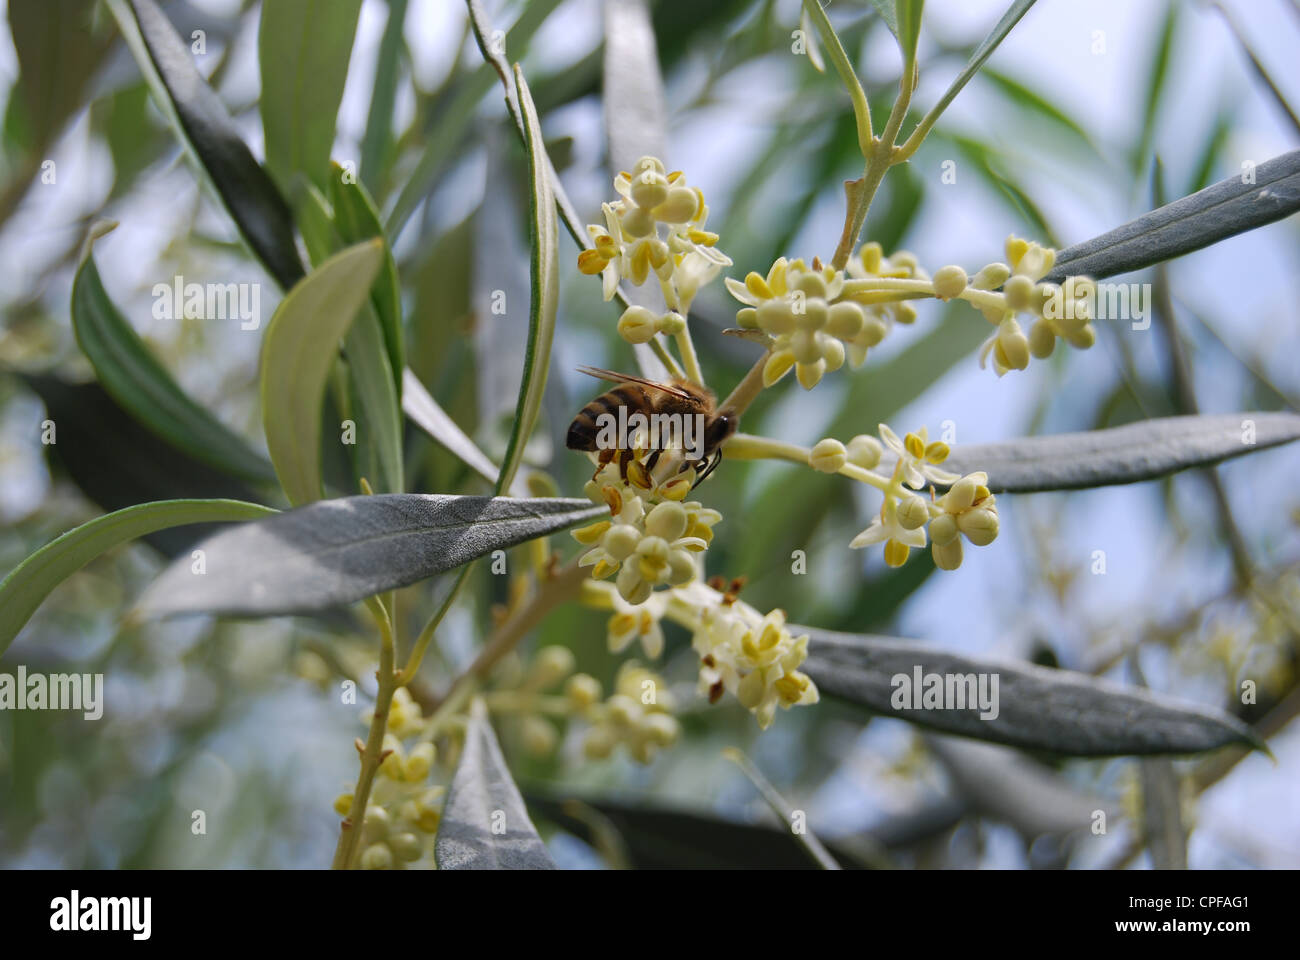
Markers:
(298, 350)
(544, 274)
(380, 414)
(1127, 454)
(1038, 708)
(338, 551)
(814, 14)
(377, 144)
(888, 10)
(58, 52)
(658, 835)
(204, 126)
(356, 219)
(1211, 151)
(303, 49)
(135, 378)
(987, 160)
(985, 50)
(23, 590)
(377, 397)
(1223, 210)
(482, 796)
(909, 27)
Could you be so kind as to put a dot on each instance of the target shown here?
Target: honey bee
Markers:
(636, 395)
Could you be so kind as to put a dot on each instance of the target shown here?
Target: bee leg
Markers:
(604, 457)
(624, 458)
(652, 460)
(713, 465)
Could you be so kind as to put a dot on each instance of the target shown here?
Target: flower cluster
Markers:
(1056, 311)
(652, 537)
(630, 245)
(815, 315)
(968, 508)
(550, 666)
(403, 813)
(752, 656)
(886, 308)
(637, 715)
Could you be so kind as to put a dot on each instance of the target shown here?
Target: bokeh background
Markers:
(1056, 140)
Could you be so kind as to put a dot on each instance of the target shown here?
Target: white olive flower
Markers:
(886, 528)
(1054, 310)
(967, 508)
(606, 255)
(797, 306)
(638, 623)
(647, 544)
(870, 263)
(918, 457)
(638, 715)
(1029, 259)
(630, 245)
(754, 657)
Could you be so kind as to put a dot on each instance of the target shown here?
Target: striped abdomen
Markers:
(585, 427)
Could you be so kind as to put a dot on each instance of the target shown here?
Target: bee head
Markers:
(720, 428)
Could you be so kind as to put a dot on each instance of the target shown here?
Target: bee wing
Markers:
(615, 377)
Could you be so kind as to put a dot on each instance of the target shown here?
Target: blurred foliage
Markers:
(244, 718)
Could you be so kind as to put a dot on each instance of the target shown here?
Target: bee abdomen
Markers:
(585, 428)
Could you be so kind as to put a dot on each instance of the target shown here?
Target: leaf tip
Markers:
(97, 229)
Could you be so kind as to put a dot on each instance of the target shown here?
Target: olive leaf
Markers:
(909, 26)
(377, 144)
(484, 824)
(326, 231)
(888, 10)
(139, 382)
(1036, 707)
(298, 350)
(981, 53)
(653, 834)
(1127, 454)
(205, 127)
(1221, 210)
(28, 584)
(303, 49)
(356, 218)
(544, 272)
(338, 551)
